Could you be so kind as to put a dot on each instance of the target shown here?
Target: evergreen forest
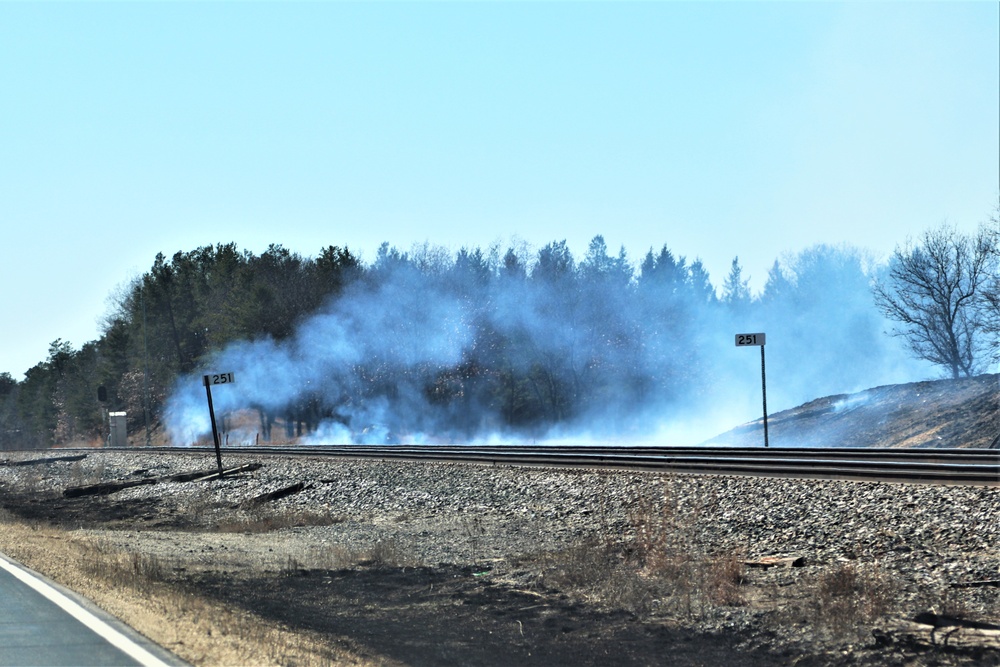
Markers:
(455, 346)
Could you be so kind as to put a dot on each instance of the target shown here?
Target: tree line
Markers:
(544, 338)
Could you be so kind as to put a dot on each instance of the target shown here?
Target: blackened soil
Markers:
(942, 413)
(458, 616)
(91, 511)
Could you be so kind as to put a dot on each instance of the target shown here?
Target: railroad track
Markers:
(937, 466)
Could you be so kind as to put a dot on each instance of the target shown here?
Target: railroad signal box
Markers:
(118, 436)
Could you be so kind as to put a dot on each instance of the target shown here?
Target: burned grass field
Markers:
(378, 562)
(397, 563)
(963, 413)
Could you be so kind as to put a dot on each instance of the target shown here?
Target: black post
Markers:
(215, 429)
(763, 391)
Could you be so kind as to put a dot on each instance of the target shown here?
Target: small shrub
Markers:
(665, 549)
(599, 573)
(83, 473)
(657, 561)
(291, 568)
(850, 596)
(262, 520)
(136, 570)
(724, 578)
(386, 553)
(199, 504)
(949, 601)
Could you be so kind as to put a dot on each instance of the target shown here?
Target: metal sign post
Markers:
(745, 340)
(763, 388)
(209, 380)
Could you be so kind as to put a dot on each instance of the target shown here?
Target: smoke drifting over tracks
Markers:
(482, 349)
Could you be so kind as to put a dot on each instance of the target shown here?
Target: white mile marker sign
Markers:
(743, 340)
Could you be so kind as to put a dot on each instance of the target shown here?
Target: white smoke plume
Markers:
(410, 355)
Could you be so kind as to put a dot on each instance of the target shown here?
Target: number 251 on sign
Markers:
(218, 378)
(749, 339)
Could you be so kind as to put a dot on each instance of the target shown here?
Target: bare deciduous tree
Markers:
(991, 292)
(934, 290)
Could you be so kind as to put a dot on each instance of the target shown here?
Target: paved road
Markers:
(43, 624)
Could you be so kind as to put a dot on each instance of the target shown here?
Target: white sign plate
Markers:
(749, 339)
(218, 378)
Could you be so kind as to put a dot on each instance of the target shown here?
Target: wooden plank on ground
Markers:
(776, 561)
(277, 494)
(104, 488)
(189, 476)
(976, 584)
(249, 467)
(107, 488)
(51, 459)
(941, 631)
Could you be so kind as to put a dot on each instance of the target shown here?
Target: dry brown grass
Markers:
(263, 520)
(653, 565)
(135, 588)
(138, 571)
(850, 596)
(598, 574)
(666, 548)
(385, 553)
(253, 518)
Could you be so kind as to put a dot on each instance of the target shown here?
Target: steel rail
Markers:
(939, 466)
(856, 453)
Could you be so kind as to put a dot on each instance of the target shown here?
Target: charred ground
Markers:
(942, 413)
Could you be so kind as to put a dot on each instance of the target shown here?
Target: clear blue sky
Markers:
(718, 129)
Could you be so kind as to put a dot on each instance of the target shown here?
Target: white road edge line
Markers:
(105, 631)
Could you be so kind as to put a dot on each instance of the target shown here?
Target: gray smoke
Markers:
(451, 351)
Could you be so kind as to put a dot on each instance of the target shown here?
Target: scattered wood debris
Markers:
(277, 494)
(51, 459)
(249, 467)
(976, 584)
(107, 488)
(190, 476)
(776, 561)
(104, 488)
(936, 630)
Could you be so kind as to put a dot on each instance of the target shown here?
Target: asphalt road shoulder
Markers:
(43, 623)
